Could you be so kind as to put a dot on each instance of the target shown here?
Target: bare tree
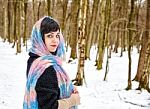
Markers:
(143, 73)
(80, 73)
(33, 10)
(25, 4)
(5, 20)
(137, 38)
(101, 35)
(15, 3)
(9, 21)
(129, 26)
(91, 28)
(108, 19)
(18, 41)
(144, 45)
(48, 7)
(38, 11)
(60, 8)
(2, 13)
(73, 28)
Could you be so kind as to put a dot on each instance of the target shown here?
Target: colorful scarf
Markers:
(45, 60)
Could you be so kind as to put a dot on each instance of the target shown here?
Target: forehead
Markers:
(53, 32)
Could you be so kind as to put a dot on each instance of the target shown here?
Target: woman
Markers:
(48, 85)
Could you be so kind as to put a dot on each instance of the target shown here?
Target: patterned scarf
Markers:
(45, 60)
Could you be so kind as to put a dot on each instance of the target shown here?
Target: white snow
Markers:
(95, 94)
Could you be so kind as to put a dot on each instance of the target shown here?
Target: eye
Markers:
(49, 36)
(57, 36)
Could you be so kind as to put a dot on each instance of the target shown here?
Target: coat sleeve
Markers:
(47, 89)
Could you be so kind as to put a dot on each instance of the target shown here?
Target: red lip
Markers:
(54, 45)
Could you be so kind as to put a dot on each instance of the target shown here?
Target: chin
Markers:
(52, 50)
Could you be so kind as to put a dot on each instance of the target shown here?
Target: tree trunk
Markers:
(144, 46)
(129, 44)
(64, 7)
(33, 11)
(6, 20)
(117, 41)
(80, 73)
(102, 29)
(25, 23)
(9, 26)
(108, 19)
(18, 29)
(53, 7)
(2, 13)
(60, 13)
(14, 22)
(125, 14)
(91, 28)
(74, 26)
(144, 80)
(38, 11)
(137, 26)
(48, 4)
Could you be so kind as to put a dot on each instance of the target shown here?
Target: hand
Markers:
(74, 99)
(75, 90)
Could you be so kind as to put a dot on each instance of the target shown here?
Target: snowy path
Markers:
(96, 95)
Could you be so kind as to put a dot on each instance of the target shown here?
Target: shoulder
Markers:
(32, 57)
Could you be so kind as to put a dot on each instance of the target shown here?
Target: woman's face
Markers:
(52, 40)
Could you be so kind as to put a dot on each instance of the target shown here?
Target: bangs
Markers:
(49, 25)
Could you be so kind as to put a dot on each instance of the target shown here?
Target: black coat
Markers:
(46, 87)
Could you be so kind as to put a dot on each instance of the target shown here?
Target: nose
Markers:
(54, 39)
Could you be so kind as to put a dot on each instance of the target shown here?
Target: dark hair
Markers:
(48, 25)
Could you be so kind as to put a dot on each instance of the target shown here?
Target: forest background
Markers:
(108, 25)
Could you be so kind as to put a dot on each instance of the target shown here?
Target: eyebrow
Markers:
(52, 33)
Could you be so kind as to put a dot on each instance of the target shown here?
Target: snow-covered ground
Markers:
(96, 94)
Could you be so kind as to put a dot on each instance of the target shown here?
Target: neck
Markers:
(53, 53)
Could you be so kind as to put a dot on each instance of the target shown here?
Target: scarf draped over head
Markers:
(38, 66)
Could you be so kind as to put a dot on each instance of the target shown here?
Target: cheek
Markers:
(47, 42)
(58, 41)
